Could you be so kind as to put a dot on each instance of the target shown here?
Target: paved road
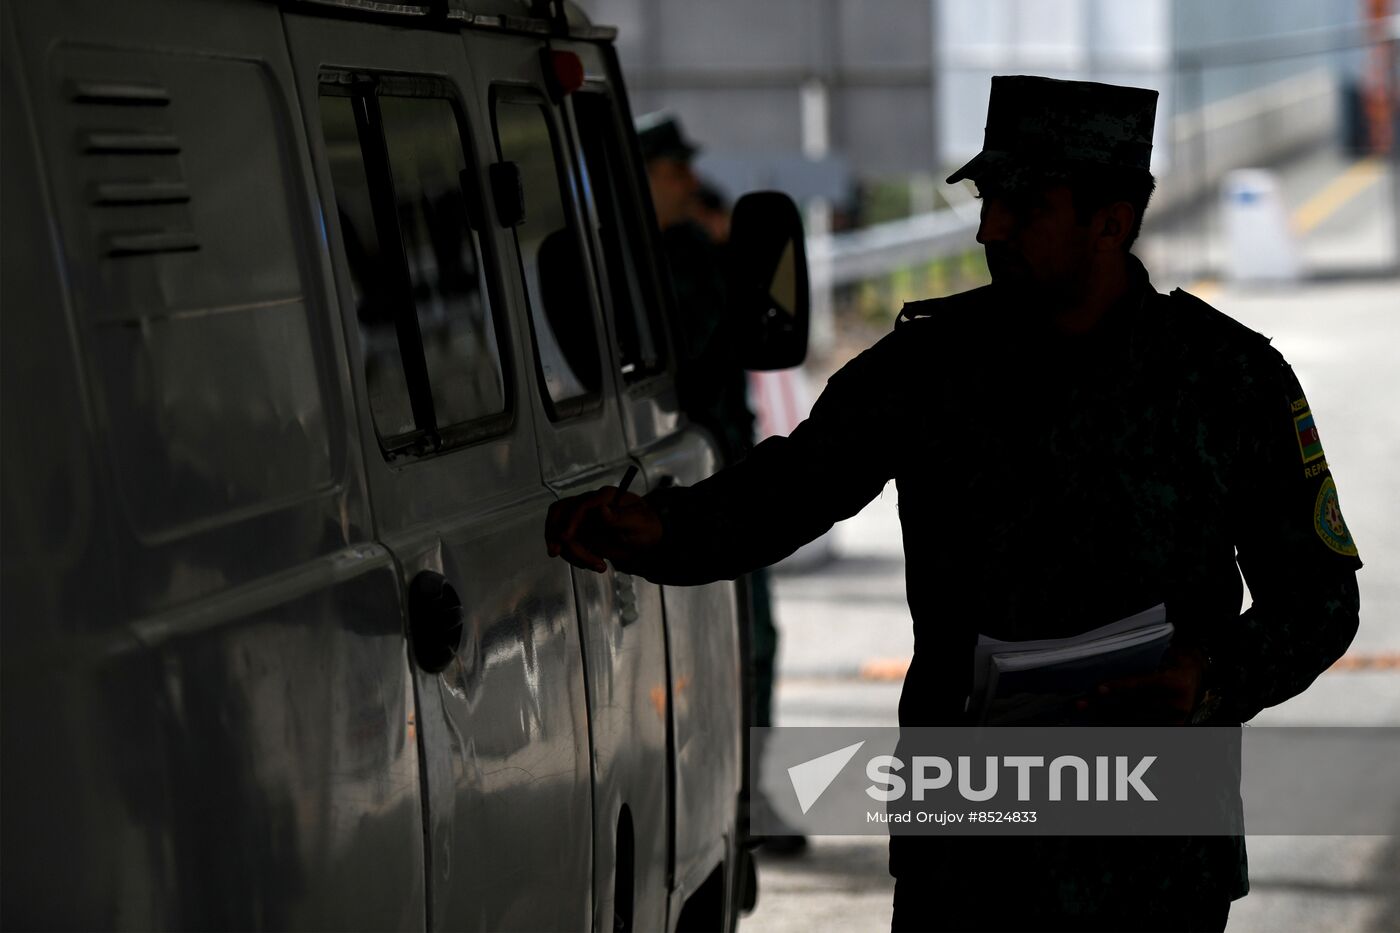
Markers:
(846, 622)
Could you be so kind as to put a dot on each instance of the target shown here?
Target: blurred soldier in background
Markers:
(1070, 446)
(712, 212)
(711, 382)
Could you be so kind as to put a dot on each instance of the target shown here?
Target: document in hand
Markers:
(1036, 682)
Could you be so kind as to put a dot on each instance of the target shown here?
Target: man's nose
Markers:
(997, 221)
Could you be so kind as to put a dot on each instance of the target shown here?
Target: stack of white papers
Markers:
(1037, 682)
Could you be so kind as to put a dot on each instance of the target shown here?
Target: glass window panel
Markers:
(444, 259)
(425, 275)
(619, 229)
(370, 277)
(555, 281)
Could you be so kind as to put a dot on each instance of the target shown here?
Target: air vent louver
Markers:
(148, 210)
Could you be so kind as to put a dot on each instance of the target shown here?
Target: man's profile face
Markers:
(673, 185)
(1033, 240)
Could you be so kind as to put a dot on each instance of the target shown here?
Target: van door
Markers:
(703, 637)
(582, 446)
(402, 139)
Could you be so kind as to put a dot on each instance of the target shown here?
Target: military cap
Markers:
(661, 137)
(1045, 127)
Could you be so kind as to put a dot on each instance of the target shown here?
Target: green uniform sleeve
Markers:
(788, 490)
(1294, 548)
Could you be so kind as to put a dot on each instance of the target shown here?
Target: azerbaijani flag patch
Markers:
(1309, 442)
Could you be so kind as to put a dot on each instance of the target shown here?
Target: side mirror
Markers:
(768, 287)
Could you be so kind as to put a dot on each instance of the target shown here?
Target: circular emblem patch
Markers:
(1327, 519)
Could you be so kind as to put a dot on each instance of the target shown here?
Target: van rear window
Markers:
(432, 361)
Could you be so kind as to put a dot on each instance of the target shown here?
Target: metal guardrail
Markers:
(1289, 45)
(878, 250)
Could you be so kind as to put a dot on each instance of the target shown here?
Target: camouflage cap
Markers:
(1039, 127)
(661, 137)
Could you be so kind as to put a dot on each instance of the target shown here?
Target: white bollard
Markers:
(1259, 245)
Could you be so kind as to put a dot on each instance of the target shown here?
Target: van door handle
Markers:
(434, 620)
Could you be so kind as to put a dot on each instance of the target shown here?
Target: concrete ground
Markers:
(846, 635)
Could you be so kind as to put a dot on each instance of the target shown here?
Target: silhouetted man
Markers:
(1070, 447)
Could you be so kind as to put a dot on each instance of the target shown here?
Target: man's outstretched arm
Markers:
(787, 492)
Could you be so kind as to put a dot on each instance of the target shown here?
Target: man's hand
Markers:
(601, 526)
(1167, 696)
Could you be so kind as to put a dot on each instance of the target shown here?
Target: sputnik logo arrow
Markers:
(811, 778)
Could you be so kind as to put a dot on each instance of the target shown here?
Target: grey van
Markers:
(310, 310)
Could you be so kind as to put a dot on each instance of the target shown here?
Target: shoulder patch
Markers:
(1328, 521)
(1309, 442)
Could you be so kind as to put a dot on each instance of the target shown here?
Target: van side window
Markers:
(639, 330)
(556, 284)
(431, 356)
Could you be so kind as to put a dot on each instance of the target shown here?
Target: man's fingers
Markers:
(590, 529)
(584, 506)
(580, 556)
(568, 525)
(564, 519)
(561, 522)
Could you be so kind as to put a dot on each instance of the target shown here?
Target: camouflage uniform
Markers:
(1049, 484)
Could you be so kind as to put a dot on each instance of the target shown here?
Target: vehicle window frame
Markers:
(639, 247)
(579, 406)
(373, 84)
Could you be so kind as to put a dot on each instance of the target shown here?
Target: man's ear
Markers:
(1115, 224)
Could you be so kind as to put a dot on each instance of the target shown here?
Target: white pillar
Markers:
(816, 144)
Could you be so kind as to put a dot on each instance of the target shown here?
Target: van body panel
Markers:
(214, 395)
(56, 560)
(231, 775)
(504, 731)
(226, 716)
(629, 700)
(706, 661)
